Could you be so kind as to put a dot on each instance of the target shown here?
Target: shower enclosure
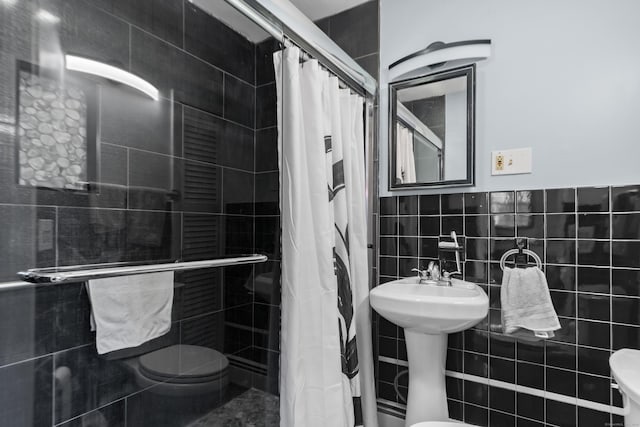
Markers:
(97, 168)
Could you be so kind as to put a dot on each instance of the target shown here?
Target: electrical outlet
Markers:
(511, 162)
(45, 234)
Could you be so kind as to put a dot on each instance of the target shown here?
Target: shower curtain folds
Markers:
(326, 356)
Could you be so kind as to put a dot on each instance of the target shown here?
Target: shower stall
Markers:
(143, 136)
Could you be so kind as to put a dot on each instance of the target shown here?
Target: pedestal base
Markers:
(427, 398)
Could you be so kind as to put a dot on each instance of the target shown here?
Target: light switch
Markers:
(511, 162)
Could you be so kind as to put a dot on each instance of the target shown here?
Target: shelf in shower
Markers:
(81, 273)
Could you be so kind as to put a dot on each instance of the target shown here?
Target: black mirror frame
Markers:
(467, 71)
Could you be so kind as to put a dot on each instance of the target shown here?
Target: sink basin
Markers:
(430, 308)
(428, 312)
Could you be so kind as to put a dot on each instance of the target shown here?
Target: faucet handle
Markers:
(423, 274)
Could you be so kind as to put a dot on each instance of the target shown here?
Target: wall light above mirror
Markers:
(432, 116)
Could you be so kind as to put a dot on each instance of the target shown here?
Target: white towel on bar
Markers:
(527, 310)
(128, 311)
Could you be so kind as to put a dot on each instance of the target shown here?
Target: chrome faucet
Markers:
(422, 274)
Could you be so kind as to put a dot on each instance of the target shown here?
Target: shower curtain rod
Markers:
(284, 21)
(81, 273)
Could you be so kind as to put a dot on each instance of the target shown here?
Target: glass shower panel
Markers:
(137, 132)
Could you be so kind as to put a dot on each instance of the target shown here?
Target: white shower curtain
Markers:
(326, 366)
(405, 158)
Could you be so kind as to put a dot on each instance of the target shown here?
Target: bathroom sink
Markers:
(430, 308)
(428, 312)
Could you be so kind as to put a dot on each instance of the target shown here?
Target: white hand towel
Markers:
(527, 310)
(130, 310)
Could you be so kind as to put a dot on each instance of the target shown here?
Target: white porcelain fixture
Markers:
(624, 367)
(428, 312)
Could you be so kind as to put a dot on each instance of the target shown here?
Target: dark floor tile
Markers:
(211, 40)
(26, 394)
(193, 81)
(112, 415)
(561, 200)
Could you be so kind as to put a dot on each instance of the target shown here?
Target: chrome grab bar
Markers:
(78, 274)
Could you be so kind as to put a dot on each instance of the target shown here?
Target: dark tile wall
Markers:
(588, 239)
(192, 176)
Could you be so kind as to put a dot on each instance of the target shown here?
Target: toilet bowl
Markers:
(180, 370)
(624, 367)
(180, 382)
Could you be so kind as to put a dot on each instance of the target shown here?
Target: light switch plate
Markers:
(511, 162)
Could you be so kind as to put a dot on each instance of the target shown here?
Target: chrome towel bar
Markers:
(81, 273)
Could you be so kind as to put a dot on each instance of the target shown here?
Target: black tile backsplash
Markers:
(186, 177)
(589, 241)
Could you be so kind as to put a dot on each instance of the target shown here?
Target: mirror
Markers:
(431, 130)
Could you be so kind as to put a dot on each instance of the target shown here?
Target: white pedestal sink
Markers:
(429, 312)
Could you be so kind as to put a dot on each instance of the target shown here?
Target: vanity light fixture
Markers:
(89, 66)
(45, 16)
(440, 56)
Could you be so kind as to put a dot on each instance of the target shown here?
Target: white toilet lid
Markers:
(625, 367)
(184, 364)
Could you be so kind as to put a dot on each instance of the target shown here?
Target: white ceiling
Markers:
(313, 9)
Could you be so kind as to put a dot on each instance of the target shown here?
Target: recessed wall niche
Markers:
(55, 129)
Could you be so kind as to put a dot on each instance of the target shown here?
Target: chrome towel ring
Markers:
(532, 254)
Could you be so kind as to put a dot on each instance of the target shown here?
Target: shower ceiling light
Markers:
(439, 56)
(89, 66)
(46, 16)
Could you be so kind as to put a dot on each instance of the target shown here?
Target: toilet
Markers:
(625, 365)
(181, 382)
